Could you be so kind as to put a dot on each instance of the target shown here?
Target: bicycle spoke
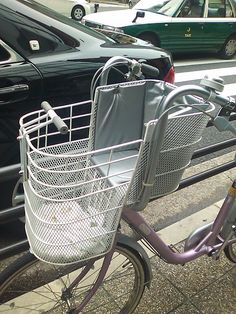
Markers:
(43, 288)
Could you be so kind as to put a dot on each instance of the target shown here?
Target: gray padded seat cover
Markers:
(121, 115)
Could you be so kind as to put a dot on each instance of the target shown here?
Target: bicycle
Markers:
(113, 177)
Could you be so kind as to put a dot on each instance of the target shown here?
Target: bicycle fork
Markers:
(66, 294)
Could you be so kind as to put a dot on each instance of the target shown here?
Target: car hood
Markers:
(124, 18)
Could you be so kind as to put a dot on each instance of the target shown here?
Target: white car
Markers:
(75, 9)
(112, 19)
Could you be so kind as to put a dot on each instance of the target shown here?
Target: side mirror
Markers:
(138, 14)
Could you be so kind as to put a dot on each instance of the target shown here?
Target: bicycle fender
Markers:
(138, 249)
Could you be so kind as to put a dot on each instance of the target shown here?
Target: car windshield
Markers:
(170, 7)
(149, 5)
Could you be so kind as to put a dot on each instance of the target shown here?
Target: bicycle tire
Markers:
(18, 286)
(230, 252)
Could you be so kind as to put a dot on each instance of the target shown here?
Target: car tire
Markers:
(228, 50)
(77, 13)
(152, 38)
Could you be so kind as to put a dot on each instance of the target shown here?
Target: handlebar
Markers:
(58, 122)
(149, 70)
(207, 94)
(136, 69)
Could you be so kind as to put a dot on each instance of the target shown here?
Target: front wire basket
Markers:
(72, 210)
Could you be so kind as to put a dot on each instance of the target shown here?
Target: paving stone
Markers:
(220, 297)
(162, 296)
(186, 308)
(194, 276)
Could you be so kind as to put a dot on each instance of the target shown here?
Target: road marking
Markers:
(230, 89)
(194, 75)
(201, 61)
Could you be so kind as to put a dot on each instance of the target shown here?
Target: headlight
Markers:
(112, 28)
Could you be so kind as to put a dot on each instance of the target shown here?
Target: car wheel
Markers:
(77, 12)
(152, 38)
(229, 48)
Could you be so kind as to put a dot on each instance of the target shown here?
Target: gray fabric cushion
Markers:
(119, 116)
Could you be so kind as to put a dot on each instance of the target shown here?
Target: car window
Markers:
(152, 6)
(154, 9)
(52, 31)
(7, 54)
(192, 8)
(219, 8)
(4, 54)
(171, 7)
(29, 37)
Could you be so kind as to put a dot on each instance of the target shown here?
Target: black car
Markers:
(46, 56)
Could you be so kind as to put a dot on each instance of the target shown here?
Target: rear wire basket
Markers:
(77, 184)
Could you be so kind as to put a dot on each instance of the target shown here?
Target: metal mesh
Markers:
(180, 139)
(182, 135)
(72, 210)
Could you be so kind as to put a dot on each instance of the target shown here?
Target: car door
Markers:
(186, 29)
(220, 23)
(20, 92)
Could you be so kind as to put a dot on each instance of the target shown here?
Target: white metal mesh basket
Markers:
(72, 210)
(76, 184)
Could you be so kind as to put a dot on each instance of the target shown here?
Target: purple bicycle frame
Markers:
(211, 242)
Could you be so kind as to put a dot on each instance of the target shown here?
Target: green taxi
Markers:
(178, 26)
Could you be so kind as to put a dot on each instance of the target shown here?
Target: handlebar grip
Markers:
(149, 70)
(57, 121)
(46, 106)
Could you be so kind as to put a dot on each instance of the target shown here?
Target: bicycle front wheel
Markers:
(230, 252)
(31, 286)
